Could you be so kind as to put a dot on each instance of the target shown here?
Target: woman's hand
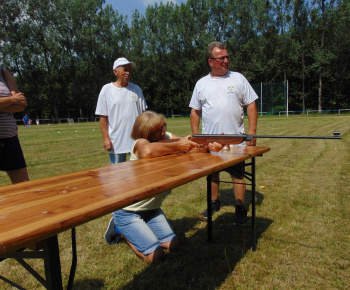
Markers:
(18, 99)
(186, 145)
(14, 103)
(216, 147)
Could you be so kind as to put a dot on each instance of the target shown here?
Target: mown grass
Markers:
(303, 215)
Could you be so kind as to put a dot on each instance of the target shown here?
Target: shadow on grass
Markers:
(198, 264)
(227, 198)
(88, 284)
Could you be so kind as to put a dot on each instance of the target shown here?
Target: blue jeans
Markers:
(117, 158)
(146, 230)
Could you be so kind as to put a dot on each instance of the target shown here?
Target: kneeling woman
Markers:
(144, 225)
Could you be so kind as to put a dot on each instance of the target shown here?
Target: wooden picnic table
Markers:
(38, 210)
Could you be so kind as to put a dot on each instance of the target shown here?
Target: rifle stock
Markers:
(205, 139)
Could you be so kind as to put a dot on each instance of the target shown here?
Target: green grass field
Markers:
(303, 217)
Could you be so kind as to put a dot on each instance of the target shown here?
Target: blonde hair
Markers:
(147, 123)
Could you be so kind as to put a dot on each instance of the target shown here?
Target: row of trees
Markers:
(62, 51)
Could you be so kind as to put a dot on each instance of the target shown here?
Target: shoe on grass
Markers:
(241, 215)
(215, 206)
(111, 235)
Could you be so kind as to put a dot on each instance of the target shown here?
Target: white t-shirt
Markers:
(221, 100)
(122, 106)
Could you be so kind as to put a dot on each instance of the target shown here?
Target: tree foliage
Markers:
(62, 51)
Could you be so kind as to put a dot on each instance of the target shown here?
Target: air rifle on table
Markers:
(226, 139)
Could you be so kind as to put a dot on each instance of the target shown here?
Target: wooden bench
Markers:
(38, 210)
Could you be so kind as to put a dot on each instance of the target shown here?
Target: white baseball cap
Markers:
(122, 61)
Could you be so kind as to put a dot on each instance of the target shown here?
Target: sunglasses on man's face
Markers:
(222, 58)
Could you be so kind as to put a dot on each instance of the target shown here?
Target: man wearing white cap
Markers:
(118, 105)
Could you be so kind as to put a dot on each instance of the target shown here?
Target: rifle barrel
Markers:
(296, 137)
(247, 137)
(336, 135)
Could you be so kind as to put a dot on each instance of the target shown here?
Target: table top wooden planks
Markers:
(35, 210)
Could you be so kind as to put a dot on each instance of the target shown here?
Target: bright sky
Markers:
(126, 7)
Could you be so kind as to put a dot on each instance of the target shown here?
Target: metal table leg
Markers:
(251, 178)
(253, 207)
(52, 263)
(74, 261)
(209, 210)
